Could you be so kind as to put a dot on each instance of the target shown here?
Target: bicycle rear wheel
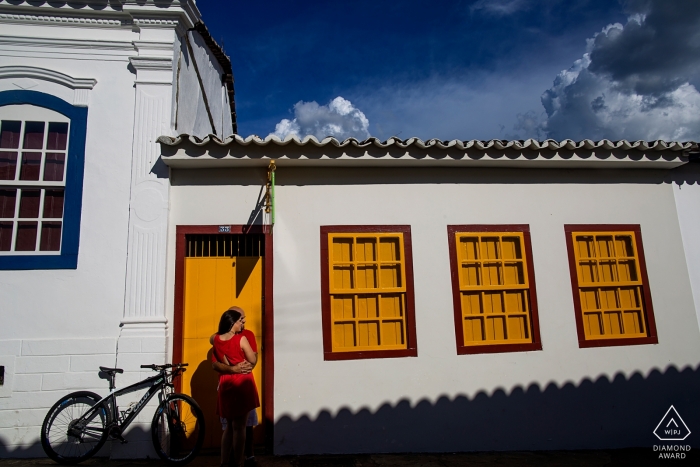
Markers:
(65, 437)
(178, 429)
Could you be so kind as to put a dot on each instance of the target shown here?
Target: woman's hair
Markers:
(228, 319)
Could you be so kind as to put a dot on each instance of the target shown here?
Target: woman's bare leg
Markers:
(238, 440)
(226, 443)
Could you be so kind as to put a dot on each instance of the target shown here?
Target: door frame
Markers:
(268, 353)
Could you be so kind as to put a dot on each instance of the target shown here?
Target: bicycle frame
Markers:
(157, 383)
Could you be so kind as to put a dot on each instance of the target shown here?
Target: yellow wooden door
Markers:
(212, 286)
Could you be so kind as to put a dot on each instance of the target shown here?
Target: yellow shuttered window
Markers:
(609, 283)
(368, 291)
(493, 289)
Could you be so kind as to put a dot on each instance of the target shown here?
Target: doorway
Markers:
(216, 271)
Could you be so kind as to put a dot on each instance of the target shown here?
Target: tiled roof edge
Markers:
(530, 144)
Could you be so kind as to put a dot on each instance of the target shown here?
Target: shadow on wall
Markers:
(687, 174)
(601, 414)
(139, 446)
(203, 386)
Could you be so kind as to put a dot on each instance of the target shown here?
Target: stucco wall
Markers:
(562, 397)
(58, 326)
(192, 115)
(686, 189)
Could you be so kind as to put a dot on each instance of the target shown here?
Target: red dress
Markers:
(238, 393)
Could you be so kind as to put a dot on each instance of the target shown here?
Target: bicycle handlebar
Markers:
(165, 367)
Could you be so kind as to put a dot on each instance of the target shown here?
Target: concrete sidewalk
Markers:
(608, 458)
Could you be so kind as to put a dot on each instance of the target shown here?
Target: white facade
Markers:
(132, 66)
(120, 62)
(561, 397)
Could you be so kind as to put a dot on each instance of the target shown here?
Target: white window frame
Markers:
(32, 113)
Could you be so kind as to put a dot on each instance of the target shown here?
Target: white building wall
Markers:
(686, 190)
(562, 397)
(58, 326)
(192, 116)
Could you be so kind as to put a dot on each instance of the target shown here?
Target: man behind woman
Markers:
(234, 356)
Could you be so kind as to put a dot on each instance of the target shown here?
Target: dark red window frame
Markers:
(462, 349)
(652, 337)
(411, 349)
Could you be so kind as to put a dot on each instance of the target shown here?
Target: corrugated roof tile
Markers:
(530, 144)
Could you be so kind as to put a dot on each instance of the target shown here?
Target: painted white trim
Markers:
(144, 320)
(20, 41)
(157, 83)
(154, 45)
(152, 63)
(47, 75)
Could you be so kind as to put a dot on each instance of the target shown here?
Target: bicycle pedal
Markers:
(115, 434)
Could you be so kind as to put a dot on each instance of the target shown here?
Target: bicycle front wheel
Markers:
(67, 436)
(178, 429)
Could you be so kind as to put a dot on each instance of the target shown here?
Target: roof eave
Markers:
(210, 152)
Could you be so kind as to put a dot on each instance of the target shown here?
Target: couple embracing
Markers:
(234, 356)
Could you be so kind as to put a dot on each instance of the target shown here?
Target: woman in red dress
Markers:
(237, 393)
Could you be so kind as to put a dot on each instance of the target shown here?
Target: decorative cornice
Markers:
(47, 75)
(146, 22)
(153, 45)
(84, 21)
(66, 43)
(151, 63)
(144, 320)
(153, 82)
(182, 14)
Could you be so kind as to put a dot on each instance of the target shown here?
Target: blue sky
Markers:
(505, 69)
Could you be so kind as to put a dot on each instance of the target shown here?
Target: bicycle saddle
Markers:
(111, 371)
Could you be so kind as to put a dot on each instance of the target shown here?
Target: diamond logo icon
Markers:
(671, 427)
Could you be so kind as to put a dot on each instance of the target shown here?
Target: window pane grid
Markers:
(13, 155)
(33, 156)
(494, 288)
(610, 285)
(368, 322)
(367, 292)
(36, 219)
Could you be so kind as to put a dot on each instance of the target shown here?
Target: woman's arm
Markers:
(251, 356)
(225, 368)
(240, 368)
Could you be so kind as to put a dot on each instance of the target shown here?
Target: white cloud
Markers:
(636, 81)
(339, 119)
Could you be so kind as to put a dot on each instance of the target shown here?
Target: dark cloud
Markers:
(636, 81)
(656, 52)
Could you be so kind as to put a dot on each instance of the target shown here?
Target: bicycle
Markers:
(78, 425)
